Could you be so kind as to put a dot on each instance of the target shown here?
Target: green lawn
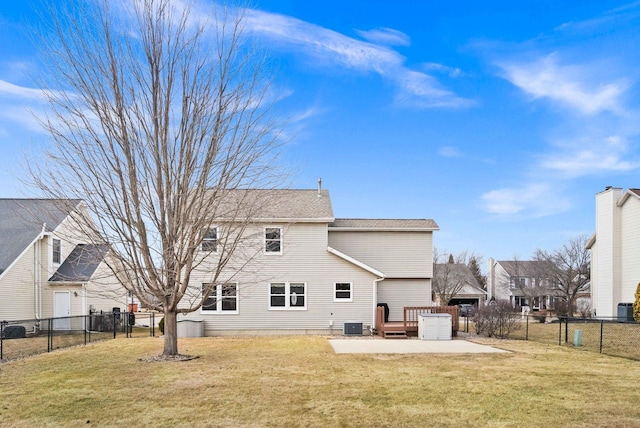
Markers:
(299, 381)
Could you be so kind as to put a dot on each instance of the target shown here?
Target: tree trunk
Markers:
(170, 333)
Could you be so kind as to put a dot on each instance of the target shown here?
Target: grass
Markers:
(299, 381)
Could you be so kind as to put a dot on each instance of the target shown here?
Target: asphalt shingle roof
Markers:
(389, 224)
(21, 221)
(80, 265)
(276, 204)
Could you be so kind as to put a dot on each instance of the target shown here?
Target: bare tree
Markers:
(568, 269)
(158, 114)
(448, 277)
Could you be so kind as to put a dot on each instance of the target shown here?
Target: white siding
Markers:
(398, 293)
(608, 258)
(304, 259)
(396, 254)
(630, 250)
(17, 289)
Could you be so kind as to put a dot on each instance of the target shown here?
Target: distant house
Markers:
(522, 283)
(460, 284)
(615, 250)
(47, 269)
(312, 272)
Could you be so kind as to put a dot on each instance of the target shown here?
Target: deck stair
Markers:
(399, 334)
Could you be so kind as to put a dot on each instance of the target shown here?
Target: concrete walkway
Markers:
(409, 346)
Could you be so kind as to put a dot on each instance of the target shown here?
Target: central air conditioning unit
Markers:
(352, 328)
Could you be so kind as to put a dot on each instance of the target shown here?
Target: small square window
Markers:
(273, 240)
(343, 292)
(210, 240)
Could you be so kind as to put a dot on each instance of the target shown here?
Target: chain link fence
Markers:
(23, 338)
(613, 336)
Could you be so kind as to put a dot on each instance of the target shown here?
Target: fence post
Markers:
(153, 324)
(50, 335)
(2, 324)
(84, 323)
(114, 325)
(526, 335)
(566, 331)
(560, 332)
(601, 331)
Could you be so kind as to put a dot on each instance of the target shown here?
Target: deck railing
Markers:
(410, 318)
(411, 314)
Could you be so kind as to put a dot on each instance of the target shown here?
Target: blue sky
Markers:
(499, 120)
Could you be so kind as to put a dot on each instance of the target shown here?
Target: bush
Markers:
(636, 305)
(161, 325)
(540, 318)
(497, 320)
(564, 309)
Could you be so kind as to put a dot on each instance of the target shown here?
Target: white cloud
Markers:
(452, 72)
(571, 85)
(15, 91)
(529, 201)
(416, 88)
(587, 157)
(385, 36)
(450, 152)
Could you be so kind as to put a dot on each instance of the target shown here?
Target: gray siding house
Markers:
(47, 268)
(310, 273)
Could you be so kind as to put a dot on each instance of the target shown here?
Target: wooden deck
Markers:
(409, 325)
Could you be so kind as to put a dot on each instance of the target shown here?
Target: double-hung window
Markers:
(210, 240)
(57, 251)
(288, 295)
(343, 292)
(273, 240)
(223, 298)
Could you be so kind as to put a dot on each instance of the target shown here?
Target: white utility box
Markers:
(190, 328)
(434, 326)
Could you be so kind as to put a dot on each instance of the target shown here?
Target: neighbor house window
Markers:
(223, 298)
(288, 295)
(517, 282)
(273, 240)
(342, 292)
(57, 251)
(210, 240)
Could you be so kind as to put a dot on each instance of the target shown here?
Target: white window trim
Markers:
(264, 241)
(335, 291)
(287, 294)
(218, 310)
(215, 251)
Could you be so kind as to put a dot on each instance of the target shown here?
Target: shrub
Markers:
(636, 305)
(161, 325)
(497, 320)
(540, 318)
(564, 309)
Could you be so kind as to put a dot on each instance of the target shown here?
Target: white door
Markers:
(61, 308)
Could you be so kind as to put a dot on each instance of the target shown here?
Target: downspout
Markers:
(37, 273)
(375, 300)
(84, 305)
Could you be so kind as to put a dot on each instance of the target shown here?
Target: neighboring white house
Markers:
(47, 269)
(311, 272)
(615, 250)
(521, 282)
